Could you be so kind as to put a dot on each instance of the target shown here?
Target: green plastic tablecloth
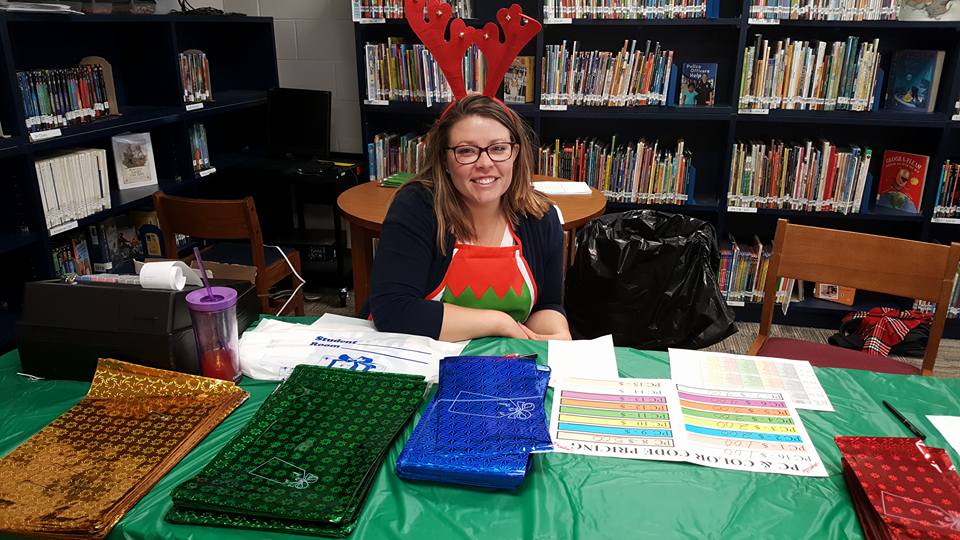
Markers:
(564, 495)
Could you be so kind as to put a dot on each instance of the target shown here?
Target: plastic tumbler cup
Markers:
(214, 317)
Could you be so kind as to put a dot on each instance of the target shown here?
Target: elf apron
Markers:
(489, 277)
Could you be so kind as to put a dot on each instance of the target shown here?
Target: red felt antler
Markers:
(518, 30)
(428, 19)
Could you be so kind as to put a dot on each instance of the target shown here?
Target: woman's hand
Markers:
(547, 324)
(530, 334)
(513, 329)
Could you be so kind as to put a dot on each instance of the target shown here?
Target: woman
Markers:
(468, 248)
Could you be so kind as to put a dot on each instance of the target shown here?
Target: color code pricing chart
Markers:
(623, 418)
(660, 420)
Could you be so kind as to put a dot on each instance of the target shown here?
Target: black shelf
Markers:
(854, 25)
(719, 113)
(132, 118)
(877, 214)
(867, 118)
(149, 98)
(699, 206)
(226, 101)
(723, 21)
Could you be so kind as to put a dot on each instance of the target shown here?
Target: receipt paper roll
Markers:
(167, 275)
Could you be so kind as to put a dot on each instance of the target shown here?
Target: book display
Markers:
(737, 113)
(94, 126)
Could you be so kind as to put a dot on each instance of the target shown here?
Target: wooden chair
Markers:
(228, 220)
(868, 262)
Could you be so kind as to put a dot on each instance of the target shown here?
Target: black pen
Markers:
(903, 419)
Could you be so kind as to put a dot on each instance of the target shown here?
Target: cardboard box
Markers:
(218, 270)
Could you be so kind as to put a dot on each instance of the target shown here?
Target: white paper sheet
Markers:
(660, 420)
(795, 378)
(585, 358)
(562, 188)
(949, 427)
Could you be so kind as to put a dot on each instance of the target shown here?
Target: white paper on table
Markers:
(333, 321)
(795, 378)
(562, 188)
(583, 358)
(949, 427)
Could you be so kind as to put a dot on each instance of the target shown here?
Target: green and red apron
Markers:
(489, 277)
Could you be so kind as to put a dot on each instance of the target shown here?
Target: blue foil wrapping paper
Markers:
(485, 420)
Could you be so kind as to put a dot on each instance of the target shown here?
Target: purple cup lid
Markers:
(223, 298)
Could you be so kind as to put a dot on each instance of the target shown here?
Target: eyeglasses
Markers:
(465, 154)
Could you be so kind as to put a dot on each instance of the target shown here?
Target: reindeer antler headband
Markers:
(430, 24)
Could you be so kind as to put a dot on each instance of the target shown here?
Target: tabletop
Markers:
(564, 495)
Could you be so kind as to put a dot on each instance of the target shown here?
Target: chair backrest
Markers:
(210, 219)
(881, 264)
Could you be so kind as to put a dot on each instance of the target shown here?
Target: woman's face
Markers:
(484, 181)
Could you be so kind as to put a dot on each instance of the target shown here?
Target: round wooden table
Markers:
(365, 207)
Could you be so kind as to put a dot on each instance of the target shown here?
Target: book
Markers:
(147, 225)
(195, 77)
(914, 79)
(128, 244)
(396, 180)
(133, 159)
(901, 181)
(698, 85)
(518, 81)
(102, 245)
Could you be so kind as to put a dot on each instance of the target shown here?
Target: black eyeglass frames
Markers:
(465, 154)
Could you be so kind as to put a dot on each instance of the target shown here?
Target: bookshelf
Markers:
(143, 52)
(709, 133)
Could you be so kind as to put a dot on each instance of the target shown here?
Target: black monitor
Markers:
(299, 122)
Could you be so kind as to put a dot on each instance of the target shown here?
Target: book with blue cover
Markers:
(914, 78)
(698, 85)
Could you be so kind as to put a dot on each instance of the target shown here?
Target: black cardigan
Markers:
(408, 264)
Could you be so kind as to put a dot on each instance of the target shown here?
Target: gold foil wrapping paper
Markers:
(82, 472)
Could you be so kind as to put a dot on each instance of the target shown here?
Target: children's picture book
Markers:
(914, 78)
(518, 81)
(133, 158)
(698, 85)
(929, 10)
(901, 181)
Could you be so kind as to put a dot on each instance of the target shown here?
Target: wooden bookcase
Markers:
(709, 133)
(143, 52)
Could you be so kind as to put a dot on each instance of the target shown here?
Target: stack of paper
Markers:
(562, 188)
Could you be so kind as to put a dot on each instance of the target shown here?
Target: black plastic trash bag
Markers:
(650, 279)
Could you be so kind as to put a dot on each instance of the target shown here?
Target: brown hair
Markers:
(520, 198)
